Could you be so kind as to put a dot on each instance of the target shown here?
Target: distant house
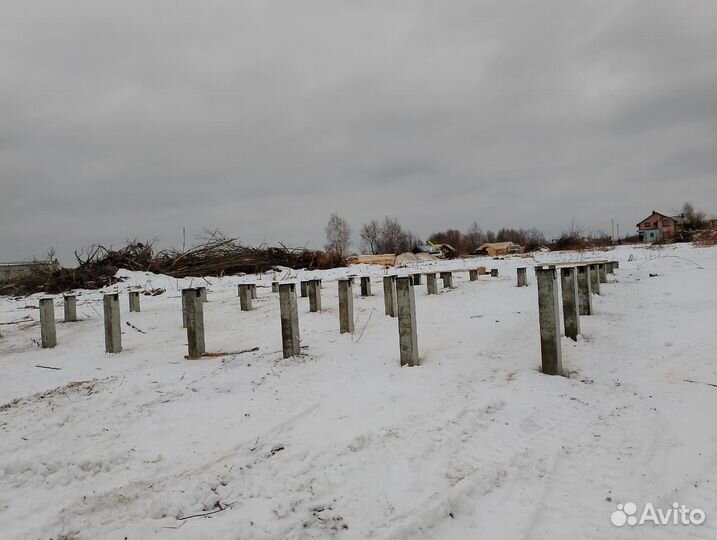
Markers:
(496, 249)
(657, 226)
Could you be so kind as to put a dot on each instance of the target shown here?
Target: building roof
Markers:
(497, 248)
(496, 245)
(654, 212)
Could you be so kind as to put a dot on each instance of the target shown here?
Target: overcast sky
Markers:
(135, 119)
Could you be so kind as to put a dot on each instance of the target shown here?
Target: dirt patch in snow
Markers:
(75, 387)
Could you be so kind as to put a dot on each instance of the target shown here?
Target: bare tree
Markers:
(51, 256)
(411, 241)
(576, 230)
(387, 237)
(370, 236)
(452, 237)
(338, 235)
(473, 238)
(533, 239)
(691, 219)
(392, 236)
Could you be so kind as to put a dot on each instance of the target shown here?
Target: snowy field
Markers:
(344, 443)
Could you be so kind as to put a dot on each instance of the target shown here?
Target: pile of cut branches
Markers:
(706, 237)
(221, 256)
(216, 256)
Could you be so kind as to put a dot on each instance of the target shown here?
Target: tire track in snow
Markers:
(506, 470)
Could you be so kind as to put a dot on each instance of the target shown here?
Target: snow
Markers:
(344, 443)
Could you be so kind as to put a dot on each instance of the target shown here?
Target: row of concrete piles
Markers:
(389, 285)
(399, 299)
(399, 302)
(111, 314)
(398, 291)
(578, 282)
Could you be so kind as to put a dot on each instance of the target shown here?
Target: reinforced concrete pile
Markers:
(97, 265)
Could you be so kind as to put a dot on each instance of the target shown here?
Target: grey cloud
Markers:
(131, 119)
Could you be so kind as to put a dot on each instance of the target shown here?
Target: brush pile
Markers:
(706, 237)
(217, 256)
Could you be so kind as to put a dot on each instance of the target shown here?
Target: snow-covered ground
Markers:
(343, 442)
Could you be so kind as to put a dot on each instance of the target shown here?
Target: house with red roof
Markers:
(657, 226)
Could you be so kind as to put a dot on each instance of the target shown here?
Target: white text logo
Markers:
(677, 514)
